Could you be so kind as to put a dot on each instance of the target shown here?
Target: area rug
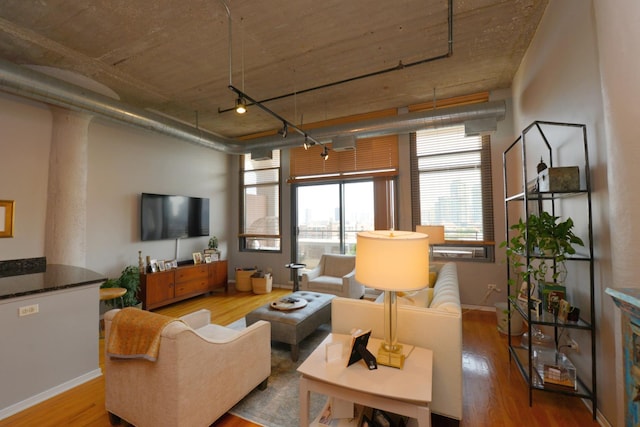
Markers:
(278, 405)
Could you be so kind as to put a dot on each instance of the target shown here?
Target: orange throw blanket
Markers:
(136, 333)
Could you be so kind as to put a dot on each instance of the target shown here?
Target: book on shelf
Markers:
(329, 417)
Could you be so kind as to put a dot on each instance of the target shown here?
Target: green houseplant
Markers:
(130, 280)
(546, 238)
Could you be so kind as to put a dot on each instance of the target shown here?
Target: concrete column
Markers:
(65, 233)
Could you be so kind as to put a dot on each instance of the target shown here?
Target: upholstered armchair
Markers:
(334, 274)
(201, 371)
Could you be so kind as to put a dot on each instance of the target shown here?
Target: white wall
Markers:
(124, 161)
(559, 80)
(24, 165)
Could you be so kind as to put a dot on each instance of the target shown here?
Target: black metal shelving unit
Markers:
(548, 140)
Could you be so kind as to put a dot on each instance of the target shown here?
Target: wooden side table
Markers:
(113, 293)
(402, 391)
(109, 294)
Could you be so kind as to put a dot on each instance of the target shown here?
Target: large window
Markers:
(260, 224)
(330, 215)
(451, 180)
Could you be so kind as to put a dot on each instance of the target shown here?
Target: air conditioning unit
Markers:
(343, 143)
(262, 154)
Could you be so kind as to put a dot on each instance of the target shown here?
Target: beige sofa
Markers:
(202, 370)
(334, 274)
(430, 318)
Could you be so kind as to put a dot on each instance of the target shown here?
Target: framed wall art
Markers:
(6, 218)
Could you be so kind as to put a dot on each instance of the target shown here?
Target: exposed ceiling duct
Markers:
(32, 84)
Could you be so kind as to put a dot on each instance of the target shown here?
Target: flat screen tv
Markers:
(173, 217)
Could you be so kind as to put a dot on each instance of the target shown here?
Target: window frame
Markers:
(459, 250)
(243, 236)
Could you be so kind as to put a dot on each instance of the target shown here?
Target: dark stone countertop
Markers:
(55, 277)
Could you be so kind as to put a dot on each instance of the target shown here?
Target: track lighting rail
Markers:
(286, 124)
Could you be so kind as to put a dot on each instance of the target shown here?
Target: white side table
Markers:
(402, 391)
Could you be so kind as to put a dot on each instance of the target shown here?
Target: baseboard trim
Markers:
(47, 394)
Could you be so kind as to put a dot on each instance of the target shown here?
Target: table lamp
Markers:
(392, 261)
(435, 233)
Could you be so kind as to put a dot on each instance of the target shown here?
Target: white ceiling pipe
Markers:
(32, 84)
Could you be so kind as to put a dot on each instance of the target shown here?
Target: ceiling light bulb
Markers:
(241, 107)
(325, 153)
(306, 143)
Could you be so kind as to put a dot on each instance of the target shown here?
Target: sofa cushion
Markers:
(446, 295)
(326, 284)
(338, 265)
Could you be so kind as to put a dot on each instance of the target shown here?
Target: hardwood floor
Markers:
(494, 392)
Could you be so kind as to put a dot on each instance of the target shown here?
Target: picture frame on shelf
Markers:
(207, 259)
(526, 291)
(168, 265)
(197, 258)
(6, 218)
(161, 266)
(154, 265)
(174, 263)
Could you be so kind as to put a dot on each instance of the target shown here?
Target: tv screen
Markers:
(173, 217)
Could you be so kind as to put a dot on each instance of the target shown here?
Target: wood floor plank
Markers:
(494, 391)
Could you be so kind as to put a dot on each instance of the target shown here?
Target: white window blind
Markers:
(451, 180)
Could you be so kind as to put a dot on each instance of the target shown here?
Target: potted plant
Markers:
(213, 243)
(130, 280)
(549, 241)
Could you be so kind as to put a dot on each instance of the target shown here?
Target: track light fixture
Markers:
(285, 130)
(307, 142)
(241, 106)
(325, 153)
(286, 125)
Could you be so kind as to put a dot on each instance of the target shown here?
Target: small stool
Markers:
(113, 293)
(109, 294)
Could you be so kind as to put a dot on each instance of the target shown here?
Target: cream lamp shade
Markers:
(392, 260)
(435, 233)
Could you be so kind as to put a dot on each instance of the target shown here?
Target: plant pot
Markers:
(502, 316)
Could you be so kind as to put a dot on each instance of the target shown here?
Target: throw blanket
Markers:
(136, 333)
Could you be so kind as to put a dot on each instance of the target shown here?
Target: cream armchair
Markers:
(334, 274)
(202, 370)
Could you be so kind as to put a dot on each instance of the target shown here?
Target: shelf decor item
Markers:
(546, 238)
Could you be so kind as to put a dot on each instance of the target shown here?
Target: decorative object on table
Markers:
(149, 269)
(359, 341)
(213, 254)
(392, 261)
(140, 263)
(197, 258)
(153, 266)
(436, 236)
(289, 303)
(130, 280)
(7, 208)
